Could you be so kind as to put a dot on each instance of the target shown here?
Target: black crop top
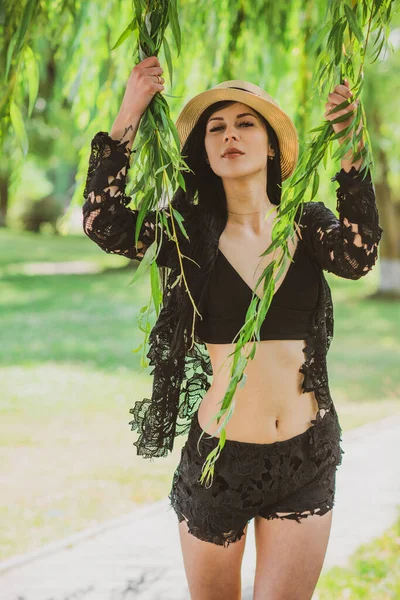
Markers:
(228, 296)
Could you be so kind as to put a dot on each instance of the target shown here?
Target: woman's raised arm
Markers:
(346, 245)
(106, 218)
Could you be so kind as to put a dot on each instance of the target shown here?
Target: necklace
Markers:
(254, 213)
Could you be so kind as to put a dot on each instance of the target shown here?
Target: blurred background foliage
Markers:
(64, 83)
(67, 371)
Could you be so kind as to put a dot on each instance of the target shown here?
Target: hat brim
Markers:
(278, 119)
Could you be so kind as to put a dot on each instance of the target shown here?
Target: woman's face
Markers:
(240, 126)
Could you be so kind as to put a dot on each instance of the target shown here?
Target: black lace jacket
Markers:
(346, 246)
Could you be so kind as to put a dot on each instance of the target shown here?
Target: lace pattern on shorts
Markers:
(292, 479)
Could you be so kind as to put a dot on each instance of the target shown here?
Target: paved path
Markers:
(138, 557)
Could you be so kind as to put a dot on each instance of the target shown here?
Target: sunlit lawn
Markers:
(69, 377)
(373, 572)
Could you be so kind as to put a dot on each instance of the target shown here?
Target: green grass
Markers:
(373, 572)
(69, 378)
(19, 247)
(365, 352)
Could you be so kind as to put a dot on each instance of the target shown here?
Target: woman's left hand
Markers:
(341, 93)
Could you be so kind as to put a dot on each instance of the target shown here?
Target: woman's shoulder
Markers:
(313, 207)
(314, 212)
(311, 217)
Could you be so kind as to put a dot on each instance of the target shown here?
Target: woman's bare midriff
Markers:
(270, 406)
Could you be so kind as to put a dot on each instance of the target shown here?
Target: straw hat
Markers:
(250, 94)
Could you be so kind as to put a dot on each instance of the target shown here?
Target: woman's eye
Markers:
(243, 123)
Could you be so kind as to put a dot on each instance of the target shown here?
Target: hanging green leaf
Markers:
(125, 34)
(144, 263)
(353, 23)
(19, 127)
(168, 58)
(32, 76)
(315, 185)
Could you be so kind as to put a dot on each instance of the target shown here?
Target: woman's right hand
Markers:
(142, 85)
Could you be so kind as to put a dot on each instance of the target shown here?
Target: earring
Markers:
(271, 157)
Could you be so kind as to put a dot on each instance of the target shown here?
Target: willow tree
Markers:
(340, 47)
(296, 50)
(61, 54)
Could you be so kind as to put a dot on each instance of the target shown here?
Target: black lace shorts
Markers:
(294, 476)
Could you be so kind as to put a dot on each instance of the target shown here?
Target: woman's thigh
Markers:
(290, 556)
(213, 572)
(292, 534)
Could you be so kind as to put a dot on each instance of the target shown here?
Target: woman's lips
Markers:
(232, 155)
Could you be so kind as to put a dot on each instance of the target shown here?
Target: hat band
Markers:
(233, 87)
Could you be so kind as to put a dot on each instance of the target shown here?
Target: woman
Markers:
(283, 440)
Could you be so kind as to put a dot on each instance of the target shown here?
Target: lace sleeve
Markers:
(106, 218)
(346, 246)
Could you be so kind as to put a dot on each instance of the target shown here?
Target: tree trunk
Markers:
(389, 217)
(4, 183)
